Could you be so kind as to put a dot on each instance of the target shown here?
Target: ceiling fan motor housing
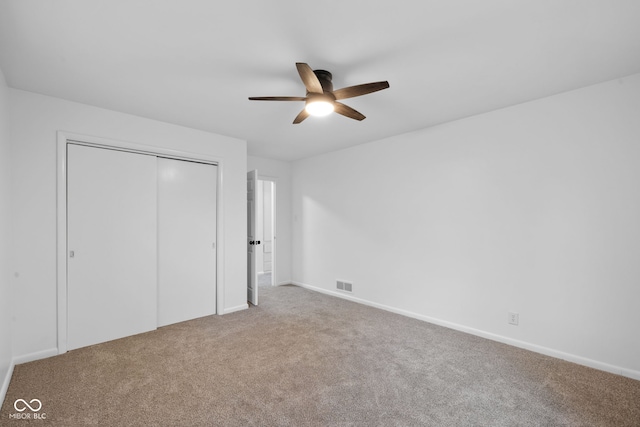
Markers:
(325, 80)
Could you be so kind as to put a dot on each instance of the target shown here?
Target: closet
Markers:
(141, 237)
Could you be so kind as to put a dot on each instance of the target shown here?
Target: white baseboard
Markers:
(5, 383)
(286, 282)
(23, 359)
(234, 309)
(30, 357)
(630, 373)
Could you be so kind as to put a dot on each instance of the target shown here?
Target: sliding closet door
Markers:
(112, 264)
(186, 240)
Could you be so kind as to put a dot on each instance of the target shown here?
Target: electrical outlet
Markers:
(513, 318)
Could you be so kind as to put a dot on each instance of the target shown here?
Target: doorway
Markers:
(261, 246)
(266, 213)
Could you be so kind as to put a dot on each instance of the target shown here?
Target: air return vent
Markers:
(344, 286)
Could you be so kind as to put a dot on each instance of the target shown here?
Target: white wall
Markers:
(5, 241)
(532, 209)
(34, 122)
(281, 171)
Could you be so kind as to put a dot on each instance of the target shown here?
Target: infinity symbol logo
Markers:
(26, 405)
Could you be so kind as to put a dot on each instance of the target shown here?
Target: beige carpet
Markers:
(307, 359)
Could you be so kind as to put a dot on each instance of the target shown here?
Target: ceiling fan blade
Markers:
(358, 90)
(277, 98)
(300, 117)
(309, 78)
(348, 111)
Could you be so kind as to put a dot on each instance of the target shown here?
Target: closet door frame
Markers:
(65, 138)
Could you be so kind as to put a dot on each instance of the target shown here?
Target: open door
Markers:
(252, 243)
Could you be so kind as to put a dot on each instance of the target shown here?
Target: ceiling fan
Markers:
(321, 99)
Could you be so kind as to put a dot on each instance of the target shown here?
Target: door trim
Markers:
(64, 138)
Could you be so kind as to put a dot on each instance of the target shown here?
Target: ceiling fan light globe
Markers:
(319, 108)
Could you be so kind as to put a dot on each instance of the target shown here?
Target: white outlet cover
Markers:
(513, 318)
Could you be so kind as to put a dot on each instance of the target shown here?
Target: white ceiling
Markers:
(195, 62)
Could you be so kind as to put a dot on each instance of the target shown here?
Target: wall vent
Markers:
(344, 286)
